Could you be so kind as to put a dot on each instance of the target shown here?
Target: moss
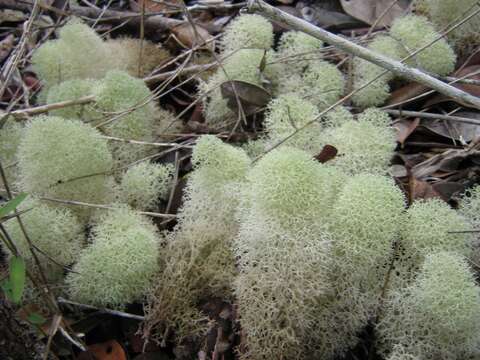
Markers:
(366, 145)
(436, 316)
(117, 268)
(79, 53)
(143, 185)
(53, 151)
(198, 259)
(247, 31)
(55, 232)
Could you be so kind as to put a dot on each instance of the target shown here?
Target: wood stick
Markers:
(396, 67)
(424, 115)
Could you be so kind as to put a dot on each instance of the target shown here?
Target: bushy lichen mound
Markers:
(243, 65)
(127, 55)
(297, 50)
(129, 99)
(365, 145)
(407, 35)
(64, 159)
(73, 90)
(10, 136)
(427, 229)
(198, 259)
(285, 115)
(79, 53)
(247, 31)
(143, 185)
(445, 13)
(118, 266)
(469, 207)
(415, 32)
(321, 83)
(437, 316)
(366, 219)
(55, 232)
(282, 250)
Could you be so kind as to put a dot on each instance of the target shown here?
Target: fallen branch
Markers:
(424, 115)
(396, 67)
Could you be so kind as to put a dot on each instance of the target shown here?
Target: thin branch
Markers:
(396, 67)
(106, 311)
(425, 115)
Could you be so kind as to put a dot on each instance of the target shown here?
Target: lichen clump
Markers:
(118, 266)
(10, 137)
(247, 31)
(64, 159)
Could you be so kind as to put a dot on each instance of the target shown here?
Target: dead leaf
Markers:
(419, 189)
(153, 5)
(317, 14)
(369, 11)
(11, 15)
(190, 36)
(405, 128)
(109, 350)
(252, 97)
(328, 153)
(447, 189)
(448, 161)
(406, 92)
(454, 129)
(6, 45)
(398, 171)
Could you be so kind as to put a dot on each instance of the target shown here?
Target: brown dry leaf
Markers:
(448, 161)
(190, 36)
(405, 128)
(109, 350)
(153, 5)
(369, 11)
(447, 189)
(328, 153)
(419, 189)
(406, 92)
(454, 129)
(252, 97)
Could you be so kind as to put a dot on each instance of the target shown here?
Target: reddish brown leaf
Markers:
(405, 128)
(109, 350)
(152, 5)
(328, 153)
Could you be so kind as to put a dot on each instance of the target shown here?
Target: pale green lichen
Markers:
(119, 265)
(10, 137)
(283, 252)
(427, 227)
(415, 32)
(321, 83)
(64, 159)
(437, 316)
(128, 100)
(198, 259)
(78, 53)
(285, 115)
(407, 35)
(143, 185)
(365, 145)
(247, 31)
(297, 50)
(72, 90)
(56, 234)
